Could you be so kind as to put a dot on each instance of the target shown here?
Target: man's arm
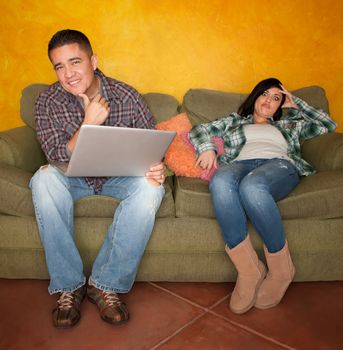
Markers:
(143, 118)
(50, 134)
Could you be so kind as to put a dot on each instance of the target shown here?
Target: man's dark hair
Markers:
(247, 107)
(69, 36)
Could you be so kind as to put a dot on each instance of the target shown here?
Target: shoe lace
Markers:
(111, 298)
(65, 300)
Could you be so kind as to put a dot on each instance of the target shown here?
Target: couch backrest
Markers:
(162, 106)
(203, 105)
(27, 103)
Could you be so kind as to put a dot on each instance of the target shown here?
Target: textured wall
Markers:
(172, 45)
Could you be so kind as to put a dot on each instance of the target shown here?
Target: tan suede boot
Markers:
(251, 272)
(280, 275)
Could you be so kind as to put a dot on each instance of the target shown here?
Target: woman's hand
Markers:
(207, 160)
(289, 103)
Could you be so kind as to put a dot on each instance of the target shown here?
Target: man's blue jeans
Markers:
(249, 189)
(116, 265)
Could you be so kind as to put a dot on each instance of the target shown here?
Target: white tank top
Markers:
(263, 141)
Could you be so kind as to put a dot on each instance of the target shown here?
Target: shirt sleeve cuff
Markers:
(207, 147)
(299, 102)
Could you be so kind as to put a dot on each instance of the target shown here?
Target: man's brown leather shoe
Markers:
(111, 308)
(67, 312)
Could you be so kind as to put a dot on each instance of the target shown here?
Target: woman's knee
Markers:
(252, 184)
(223, 180)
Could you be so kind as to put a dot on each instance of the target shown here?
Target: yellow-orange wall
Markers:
(172, 45)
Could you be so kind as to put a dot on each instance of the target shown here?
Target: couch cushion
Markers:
(15, 198)
(325, 152)
(314, 96)
(162, 106)
(19, 147)
(204, 105)
(317, 196)
(27, 103)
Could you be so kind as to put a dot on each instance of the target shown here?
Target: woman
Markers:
(260, 165)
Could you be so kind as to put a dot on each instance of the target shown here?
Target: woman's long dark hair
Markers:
(247, 107)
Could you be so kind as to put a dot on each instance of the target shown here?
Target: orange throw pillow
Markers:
(180, 158)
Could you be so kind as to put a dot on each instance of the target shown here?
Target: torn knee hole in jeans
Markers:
(44, 167)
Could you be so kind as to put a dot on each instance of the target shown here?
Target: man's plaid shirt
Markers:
(299, 124)
(59, 115)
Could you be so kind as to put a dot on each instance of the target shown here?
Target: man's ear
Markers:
(94, 60)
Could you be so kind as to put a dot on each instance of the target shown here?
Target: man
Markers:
(84, 95)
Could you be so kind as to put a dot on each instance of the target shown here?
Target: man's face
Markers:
(74, 68)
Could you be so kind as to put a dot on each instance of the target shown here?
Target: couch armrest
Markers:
(324, 152)
(20, 148)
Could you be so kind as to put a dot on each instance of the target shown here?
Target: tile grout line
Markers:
(210, 311)
(179, 296)
(179, 330)
(248, 329)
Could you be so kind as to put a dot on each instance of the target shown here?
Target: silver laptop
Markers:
(116, 151)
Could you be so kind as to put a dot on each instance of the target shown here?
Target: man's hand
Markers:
(156, 174)
(96, 111)
(207, 160)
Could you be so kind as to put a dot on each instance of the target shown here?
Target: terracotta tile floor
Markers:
(176, 316)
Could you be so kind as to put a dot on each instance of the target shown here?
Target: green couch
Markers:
(186, 244)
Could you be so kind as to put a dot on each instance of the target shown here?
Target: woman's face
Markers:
(267, 104)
